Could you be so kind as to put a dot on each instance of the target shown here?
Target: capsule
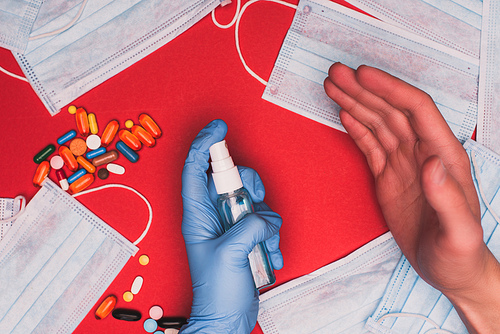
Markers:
(63, 181)
(82, 122)
(89, 167)
(150, 125)
(144, 136)
(76, 175)
(66, 137)
(127, 151)
(42, 171)
(171, 322)
(69, 158)
(95, 153)
(44, 154)
(94, 129)
(131, 140)
(105, 158)
(105, 308)
(126, 314)
(109, 133)
(81, 183)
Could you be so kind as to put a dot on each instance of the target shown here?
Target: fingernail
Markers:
(439, 173)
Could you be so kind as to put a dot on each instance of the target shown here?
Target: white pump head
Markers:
(225, 173)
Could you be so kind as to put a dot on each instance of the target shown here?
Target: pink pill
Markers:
(56, 162)
(156, 312)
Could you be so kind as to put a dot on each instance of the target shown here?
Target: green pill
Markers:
(44, 154)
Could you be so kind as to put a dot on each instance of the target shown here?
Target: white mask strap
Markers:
(21, 210)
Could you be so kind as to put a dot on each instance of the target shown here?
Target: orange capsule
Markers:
(81, 183)
(144, 136)
(130, 140)
(68, 157)
(82, 122)
(109, 133)
(41, 173)
(150, 125)
(105, 308)
(86, 164)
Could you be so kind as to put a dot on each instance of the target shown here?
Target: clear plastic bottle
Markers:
(234, 202)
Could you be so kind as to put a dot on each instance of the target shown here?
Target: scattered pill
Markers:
(171, 322)
(66, 137)
(93, 142)
(150, 325)
(105, 158)
(109, 133)
(171, 331)
(78, 147)
(145, 137)
(115, 169)
(63, 181)
(44, 154)
(82, 122)
(144, 260)
(127, 151)
(56, 162)
(81, 183)
(129, 123)
(128, 296)
(41, 173)
(94, 129)
(150, 125)
(106, 307)
(137, 285)
(75, 176)
(72, 110)
(126, 314)
(68, 157)
(95, 153)
(103, 173)
(89, 167)
(156, 312)
(158, 332)
(131, 140)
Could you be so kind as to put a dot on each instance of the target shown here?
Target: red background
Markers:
(315, 176)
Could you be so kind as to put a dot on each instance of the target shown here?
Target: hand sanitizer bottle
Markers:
(234, 203)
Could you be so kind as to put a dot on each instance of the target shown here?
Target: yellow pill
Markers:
(129, 123)
(94, 129)
(72, 110)
(144, 260)
(128, 296)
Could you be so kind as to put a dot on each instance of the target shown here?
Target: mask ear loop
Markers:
(436, 330)
(20, 212)
(115, 185)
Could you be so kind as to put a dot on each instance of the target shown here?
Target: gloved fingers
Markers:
(272, 245)
(261, 206)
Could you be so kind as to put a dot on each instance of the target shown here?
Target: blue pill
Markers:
(150, 325)
(75, 176)
(127, 151)
(159, 332)
(95, 153)
(67, 136)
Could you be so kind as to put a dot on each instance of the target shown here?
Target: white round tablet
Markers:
(56, 162)
(115, 169)
(156, 312)
(137, 285)
(171, 331)
(93, 142)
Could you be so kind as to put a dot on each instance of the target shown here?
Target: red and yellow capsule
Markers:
(41, 173)
(106, 307)
(130, 140)
(82, 122)
(150, 125)
(86, 164)
(109, 133)
(82, 183)
(68, 157)
(145, 137)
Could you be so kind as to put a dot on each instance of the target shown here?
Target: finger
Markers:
(375, 154)
(272, 245)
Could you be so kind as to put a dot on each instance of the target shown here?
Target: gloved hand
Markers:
(224, 296)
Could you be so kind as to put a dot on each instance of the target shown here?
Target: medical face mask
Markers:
(9, 207)
(17, 18)
(410, 305)
(108, 36)
(323, 32)
(456, 24)
(337, 298)
(56, 261)
(488, 125)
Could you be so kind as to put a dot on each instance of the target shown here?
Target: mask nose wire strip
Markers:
(238, 15)
(21, 210)
(115, 185)
(418, 316)
(66, 27)
(481, 191)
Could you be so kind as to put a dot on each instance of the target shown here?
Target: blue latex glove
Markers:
(224, 296)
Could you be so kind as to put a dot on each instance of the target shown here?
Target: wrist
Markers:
(479, 303)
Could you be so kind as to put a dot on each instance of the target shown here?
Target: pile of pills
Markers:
(84, 151)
